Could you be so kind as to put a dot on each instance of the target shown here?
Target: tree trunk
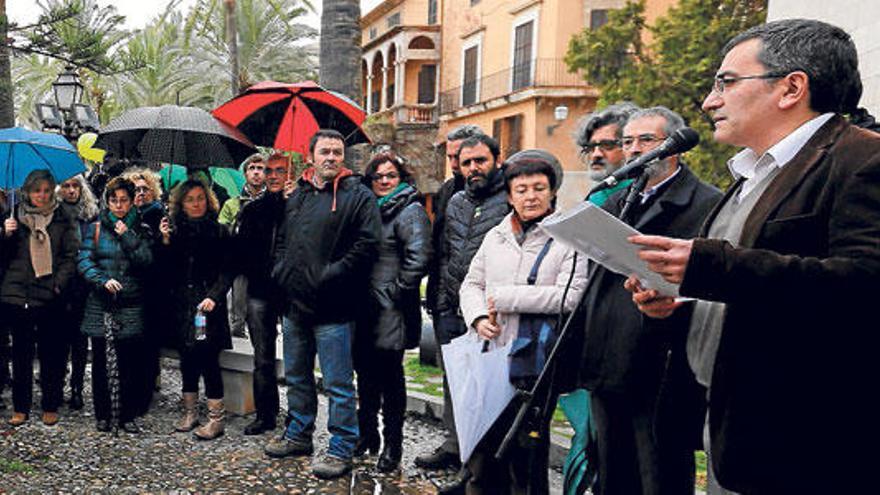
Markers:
(340, 65)
(232, 43)
(7, 103)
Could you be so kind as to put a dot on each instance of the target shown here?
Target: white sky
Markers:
(138, 12)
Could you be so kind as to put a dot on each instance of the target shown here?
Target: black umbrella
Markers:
(183, 135)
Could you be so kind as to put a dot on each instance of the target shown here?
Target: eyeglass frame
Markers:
(721, 80)
(646, 138)
(603, 144)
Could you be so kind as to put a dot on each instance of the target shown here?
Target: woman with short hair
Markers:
(38, 245)
(114, 257)
(498, 289)
(393, 321)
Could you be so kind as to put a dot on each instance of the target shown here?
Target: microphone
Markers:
(678, 142)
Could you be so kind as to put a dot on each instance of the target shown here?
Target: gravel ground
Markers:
(72, 457)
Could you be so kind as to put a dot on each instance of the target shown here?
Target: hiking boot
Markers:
(285, 447)
(215, 426)
(329, 467)
(439, 459)
(190, 418)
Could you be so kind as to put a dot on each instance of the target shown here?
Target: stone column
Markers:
(383, 95)
(369, 93)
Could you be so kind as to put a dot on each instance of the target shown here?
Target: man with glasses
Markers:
(598, 138)
(446, 455)
(646, 407)
(254, 242)
(785, 269)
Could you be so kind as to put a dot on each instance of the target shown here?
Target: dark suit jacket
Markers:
(622, 351)
(790, 398)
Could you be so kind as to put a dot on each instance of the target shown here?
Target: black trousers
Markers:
(631, 460)
(126, 361)
(5, 374)
(34, 332)
(76, 345)
(262, 323)
(380, 385)
(522, 470)
(201, 360)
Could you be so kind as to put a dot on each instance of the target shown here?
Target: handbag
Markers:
(534, 338)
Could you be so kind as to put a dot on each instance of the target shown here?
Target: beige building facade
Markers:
(431, 65)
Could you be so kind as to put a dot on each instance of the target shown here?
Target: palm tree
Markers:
(7, 109)
(341, 47)
(271, 45)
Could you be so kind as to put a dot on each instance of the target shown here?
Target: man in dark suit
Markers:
(786, 268)
(646, 440)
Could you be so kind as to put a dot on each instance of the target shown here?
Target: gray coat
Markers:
(394, 321)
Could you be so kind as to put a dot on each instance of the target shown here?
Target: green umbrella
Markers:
(229, 179)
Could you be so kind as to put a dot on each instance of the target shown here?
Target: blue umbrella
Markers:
(22, 151)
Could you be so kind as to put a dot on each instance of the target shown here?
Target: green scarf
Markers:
(387, 197)
(128, 220)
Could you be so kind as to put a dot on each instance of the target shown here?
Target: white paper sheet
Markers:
(602, 238)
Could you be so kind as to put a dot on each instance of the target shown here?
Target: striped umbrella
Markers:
(285, 116)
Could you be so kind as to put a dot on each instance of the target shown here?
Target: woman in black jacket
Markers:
(393, 322)
(39, 248)
(193, 254)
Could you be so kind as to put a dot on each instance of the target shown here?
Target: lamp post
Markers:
(68, 115)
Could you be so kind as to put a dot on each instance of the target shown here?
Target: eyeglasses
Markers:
(389, 176)
(721, 80)
(646, 139)
(141, 189)
(604, 145)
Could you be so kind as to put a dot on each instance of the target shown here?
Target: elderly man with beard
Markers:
(646, 405)
(470, 215)
(598, 137)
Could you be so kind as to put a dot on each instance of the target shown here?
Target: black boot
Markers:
(390, 458)
(367, 442)
(76, 399)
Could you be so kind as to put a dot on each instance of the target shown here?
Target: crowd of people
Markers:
(765, 366)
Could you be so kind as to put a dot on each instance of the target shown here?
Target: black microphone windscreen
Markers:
(685, 139)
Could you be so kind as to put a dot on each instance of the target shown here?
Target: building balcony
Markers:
(411, 113)
(534, 74)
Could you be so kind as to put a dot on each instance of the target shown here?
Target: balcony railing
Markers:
(538, 73)
(417, 113)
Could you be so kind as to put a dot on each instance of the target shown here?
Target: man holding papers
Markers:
(644, 443)
(787, 271)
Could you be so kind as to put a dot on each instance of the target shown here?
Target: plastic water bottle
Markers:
(201, 324)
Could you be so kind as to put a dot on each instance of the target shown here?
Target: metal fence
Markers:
(535, 73)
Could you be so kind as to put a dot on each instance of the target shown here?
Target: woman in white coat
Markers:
(496, 292)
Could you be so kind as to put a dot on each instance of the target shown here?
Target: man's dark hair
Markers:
(386, 157)
(616, 114)
(529, 166)
(463, 132)
(477, 139)
(824, 52)
(324, 133)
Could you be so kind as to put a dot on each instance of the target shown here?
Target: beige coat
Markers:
(500, 270)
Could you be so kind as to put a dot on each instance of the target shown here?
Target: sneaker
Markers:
(439, 459)
(329, 467)
(285, 447)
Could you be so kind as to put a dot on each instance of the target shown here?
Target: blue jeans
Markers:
(333, 345)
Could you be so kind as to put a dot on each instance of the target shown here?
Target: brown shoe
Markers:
(50, 418)
(18, 419)
(190, 418)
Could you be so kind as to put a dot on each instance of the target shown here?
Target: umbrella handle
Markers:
(12, 203)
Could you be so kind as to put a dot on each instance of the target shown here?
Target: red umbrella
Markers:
(285, 116)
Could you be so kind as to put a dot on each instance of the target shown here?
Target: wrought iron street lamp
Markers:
(68, 115)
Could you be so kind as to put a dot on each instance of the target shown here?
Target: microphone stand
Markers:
(543, 384)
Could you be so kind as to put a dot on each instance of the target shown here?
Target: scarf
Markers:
(37, 221)
(387, 197)
(129, 218)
